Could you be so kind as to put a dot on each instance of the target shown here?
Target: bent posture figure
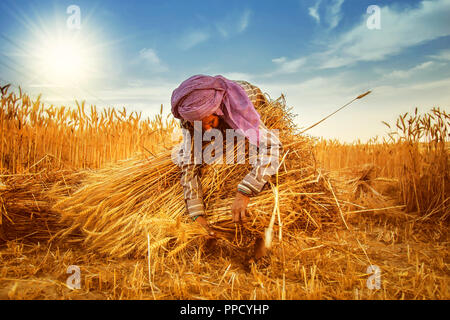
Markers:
(219, 103)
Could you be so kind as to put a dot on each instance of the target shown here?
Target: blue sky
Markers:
(318, 53)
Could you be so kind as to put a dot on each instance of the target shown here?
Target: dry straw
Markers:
(117, 206)
(135, 208)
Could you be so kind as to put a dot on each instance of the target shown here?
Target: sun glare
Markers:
(64, 61)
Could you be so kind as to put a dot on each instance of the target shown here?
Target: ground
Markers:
(330, 263)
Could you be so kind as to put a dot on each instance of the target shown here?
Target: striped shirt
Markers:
(264, 165)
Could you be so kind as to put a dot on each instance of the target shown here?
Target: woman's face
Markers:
(210, 122)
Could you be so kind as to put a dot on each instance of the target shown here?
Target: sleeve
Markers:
(190, 177)
(266, 164)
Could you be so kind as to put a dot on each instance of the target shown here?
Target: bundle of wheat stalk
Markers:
(125, 207)
(362, 190)
(25, 209)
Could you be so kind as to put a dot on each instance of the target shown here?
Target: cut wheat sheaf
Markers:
(117, 206)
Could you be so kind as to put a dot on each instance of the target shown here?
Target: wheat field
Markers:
(97, 189)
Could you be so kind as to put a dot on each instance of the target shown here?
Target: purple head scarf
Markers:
(201, 96)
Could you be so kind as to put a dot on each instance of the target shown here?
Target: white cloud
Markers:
(318, 97)
(245, 20)
(150, 56)
(333, 13)
(234, 23)
(286, 66)
(292, 66)
(279, 60)
(222, 30)
(404, 74)
(146, 96)
(313, 11)
(149, 59)
(399, 30)
(238, 76)
(442, 55)
(193, 38)
(152, 92)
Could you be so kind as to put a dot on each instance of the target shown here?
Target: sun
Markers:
(64, 60)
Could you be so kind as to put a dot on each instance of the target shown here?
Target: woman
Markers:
(219, 103)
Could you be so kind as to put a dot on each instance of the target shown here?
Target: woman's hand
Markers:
(238, 209)
(204, 223)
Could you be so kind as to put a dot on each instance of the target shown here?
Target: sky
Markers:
(319, 54)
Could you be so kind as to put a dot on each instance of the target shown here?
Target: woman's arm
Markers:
(190, 175)
(266, 164)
